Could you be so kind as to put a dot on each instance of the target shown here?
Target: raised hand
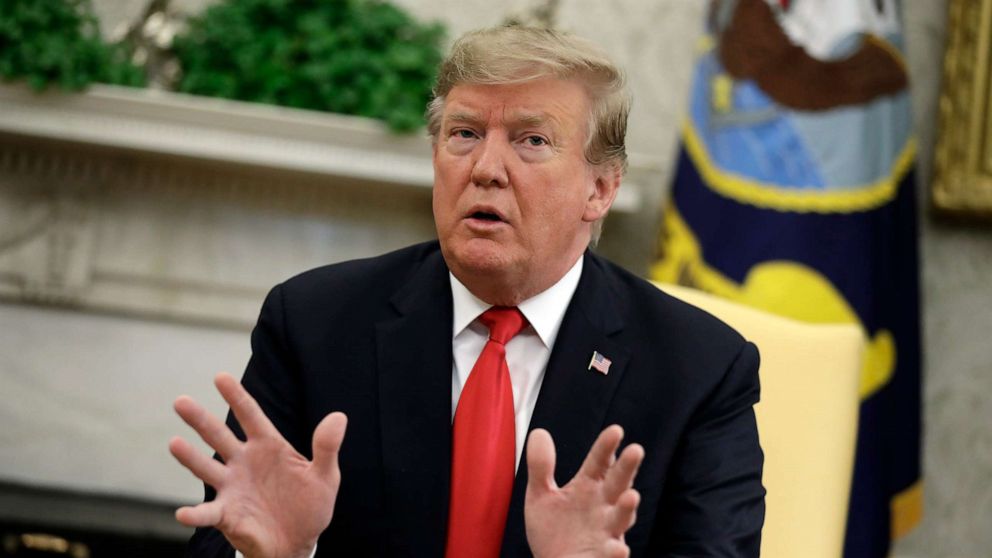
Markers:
(588, 516)
(271, 501)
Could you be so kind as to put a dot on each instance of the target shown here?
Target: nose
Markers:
(490, 163)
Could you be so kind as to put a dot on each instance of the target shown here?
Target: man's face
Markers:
(514, 197)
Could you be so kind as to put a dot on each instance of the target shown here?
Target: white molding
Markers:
(170, 238)
(245, 133)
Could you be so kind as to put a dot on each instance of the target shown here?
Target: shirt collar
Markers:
(544, 311)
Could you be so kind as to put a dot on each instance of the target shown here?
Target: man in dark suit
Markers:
(528, 128)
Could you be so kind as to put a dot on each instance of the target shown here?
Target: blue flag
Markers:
(794, 193)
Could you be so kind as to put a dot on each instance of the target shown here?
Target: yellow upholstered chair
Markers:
(807, 421)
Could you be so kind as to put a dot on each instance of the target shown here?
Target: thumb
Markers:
(327, 438)
(540, 461)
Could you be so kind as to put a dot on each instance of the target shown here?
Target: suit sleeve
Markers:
(272, 378)
(717, 501)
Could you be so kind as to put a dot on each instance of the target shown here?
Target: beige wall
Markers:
(957, 321)
(654, 40)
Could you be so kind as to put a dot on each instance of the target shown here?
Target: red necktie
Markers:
(483, 446)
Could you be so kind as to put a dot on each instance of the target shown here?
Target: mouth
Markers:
(485, 215)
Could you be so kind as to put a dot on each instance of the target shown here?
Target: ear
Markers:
(606, 183)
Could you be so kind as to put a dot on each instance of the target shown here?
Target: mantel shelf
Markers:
(243, 133)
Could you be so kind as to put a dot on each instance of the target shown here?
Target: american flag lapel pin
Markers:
(600, 363)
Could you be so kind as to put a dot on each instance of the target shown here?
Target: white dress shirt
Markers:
(527, 354)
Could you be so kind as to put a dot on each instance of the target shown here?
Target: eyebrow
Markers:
(536, 120)
(464, 117)
(539, 120)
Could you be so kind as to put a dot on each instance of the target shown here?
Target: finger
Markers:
(616, 549)
(624, 513)
(540, 461)
(250, 416)
(327, 438)
(207, 514)
(621, 475)
(210, 428)
(206, 469)
(600, 456)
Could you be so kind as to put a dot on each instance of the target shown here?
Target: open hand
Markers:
(271, 501)
(588, 516)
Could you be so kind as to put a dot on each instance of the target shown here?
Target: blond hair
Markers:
(517, 54)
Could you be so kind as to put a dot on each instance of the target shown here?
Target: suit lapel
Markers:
(414, 364)
(573, 401)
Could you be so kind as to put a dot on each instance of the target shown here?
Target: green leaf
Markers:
(52, 42)
(352, 56)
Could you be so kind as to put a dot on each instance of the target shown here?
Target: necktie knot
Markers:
(504, 323)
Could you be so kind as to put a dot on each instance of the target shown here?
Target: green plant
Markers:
(361, 57)
(58, 42)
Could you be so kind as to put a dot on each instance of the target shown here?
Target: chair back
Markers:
(807, 423)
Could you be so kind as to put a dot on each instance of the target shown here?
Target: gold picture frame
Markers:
(963, 161)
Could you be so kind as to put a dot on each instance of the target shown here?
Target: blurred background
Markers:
(163, 164)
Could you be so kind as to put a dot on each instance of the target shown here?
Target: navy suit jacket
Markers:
(372, 338)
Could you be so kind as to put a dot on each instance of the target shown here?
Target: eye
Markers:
(535, 141)
(463, 133)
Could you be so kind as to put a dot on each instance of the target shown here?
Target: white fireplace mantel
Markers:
(178, 207)
(221, 130)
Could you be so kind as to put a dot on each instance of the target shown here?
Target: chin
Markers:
(477, 256)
